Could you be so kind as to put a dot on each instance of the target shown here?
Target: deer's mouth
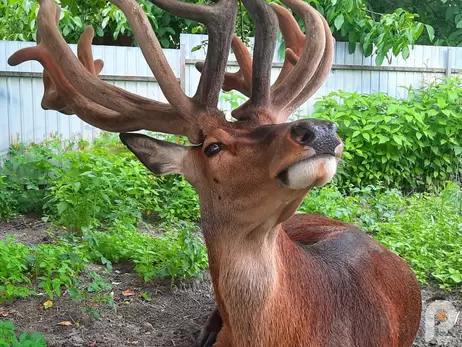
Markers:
(313, 171)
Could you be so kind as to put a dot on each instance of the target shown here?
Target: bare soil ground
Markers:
(173, 316)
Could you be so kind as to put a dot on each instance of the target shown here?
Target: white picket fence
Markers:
(22, 119)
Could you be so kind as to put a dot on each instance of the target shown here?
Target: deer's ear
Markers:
(161, 157)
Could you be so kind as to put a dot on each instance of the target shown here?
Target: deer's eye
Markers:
(212, 149)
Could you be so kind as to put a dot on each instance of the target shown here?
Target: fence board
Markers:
(22, 118)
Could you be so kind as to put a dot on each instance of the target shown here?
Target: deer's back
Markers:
(359, 293)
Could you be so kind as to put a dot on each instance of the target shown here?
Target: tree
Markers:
(443, 15)
(384, 35)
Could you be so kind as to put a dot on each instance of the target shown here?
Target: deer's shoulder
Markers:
(321, 235)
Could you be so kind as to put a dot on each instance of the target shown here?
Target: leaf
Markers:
(104, 22)
(430, 32)
(128, 292)
(352, 47)
(379, 59)
(65, 323)
(47, 304)
(77, 21)
(397, 140)
(99, 31)
(339, 21)
(405, 52)
(62, 206)
(196, 48)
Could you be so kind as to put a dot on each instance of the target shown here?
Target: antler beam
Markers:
(308, 60)
(71, 84)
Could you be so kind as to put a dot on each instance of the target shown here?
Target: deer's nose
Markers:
(320, 135)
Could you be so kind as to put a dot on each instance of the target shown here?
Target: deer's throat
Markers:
(245, 274)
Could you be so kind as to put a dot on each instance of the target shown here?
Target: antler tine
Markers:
(265, 42)
(294, 40)
(154, 56)
(318, 78)
(219, 20)
(85, 54)
(308, 63)
(60, 95)
(242, 79)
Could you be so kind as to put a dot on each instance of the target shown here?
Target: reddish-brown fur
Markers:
(335, 287)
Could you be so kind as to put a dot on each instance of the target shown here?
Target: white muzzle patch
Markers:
(316, 171)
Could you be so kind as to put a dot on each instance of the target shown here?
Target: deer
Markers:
(279, 278)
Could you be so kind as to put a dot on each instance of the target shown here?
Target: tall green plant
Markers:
(411, 144)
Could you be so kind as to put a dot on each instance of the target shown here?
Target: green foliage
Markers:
(384, 35)
(233, 99)
(14, 266)
(445, 16)
(408, 144)
(8, 337)
(178, 253)
(94, 294)
(8, 204)
(26, 171)
(18, 21)
(425, 229)
(350, 21)
(52, 266)
(79, 186)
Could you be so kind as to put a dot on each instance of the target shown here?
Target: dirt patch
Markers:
(171, 316)
(27, 229)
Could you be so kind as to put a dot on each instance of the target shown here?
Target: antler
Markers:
(307, 63)
(242, 79)
(71, 85)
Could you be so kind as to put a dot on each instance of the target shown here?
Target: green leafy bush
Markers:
(425, 229)
(176, 253)
(8, 203)
(8, 337)
(406, 143)
(81, 186)
(27, 170)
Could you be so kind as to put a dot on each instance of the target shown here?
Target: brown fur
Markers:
(282, 279)
(332, 286)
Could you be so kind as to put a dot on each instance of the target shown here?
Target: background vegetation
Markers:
(409, 144)
(99, 197)
(384, 34)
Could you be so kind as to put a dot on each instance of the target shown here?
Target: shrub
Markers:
(27, 170)
(8, 203)
(82, 186)
(407, 144)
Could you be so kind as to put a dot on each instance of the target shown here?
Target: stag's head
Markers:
(255, 168)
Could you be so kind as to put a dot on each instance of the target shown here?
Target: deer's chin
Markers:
(312, 172)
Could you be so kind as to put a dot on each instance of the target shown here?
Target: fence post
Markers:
(449, 63)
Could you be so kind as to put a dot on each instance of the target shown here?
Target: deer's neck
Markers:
(246, 270)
